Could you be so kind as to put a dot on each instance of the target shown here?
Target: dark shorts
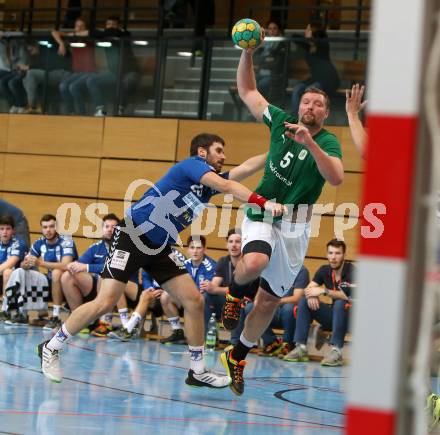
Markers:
(94, 291)
(125, 259)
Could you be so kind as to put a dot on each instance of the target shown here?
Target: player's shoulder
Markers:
(209, 263)
(66, 241)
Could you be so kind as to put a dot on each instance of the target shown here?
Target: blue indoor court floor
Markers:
(121, 388)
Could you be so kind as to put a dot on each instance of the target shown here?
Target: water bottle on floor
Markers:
(211, 336)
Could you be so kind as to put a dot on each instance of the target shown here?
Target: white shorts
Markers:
(289, 242)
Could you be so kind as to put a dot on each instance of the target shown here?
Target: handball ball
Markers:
(246, 33)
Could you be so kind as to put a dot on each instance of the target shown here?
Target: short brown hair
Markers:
(233, 231)
(47, 218)
(197, 238)
(337, 244)
(110, 217)
(204, 140)
(7, 220)
(312, 90)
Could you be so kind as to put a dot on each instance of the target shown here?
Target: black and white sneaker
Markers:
(207, 379)
(50, 362)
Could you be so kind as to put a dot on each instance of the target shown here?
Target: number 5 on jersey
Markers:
(285, 161)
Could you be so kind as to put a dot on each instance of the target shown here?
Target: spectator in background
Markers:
(335, 280)
(53, 252)
(323, 74)
(11, 84)
(12, 252)
(269, 60)
(148, 299)
(21, 223)
(48, 61)
(353, 105)
(223, 278)
(104, 83)
(201, 267)
(284, 318)
(74, 86)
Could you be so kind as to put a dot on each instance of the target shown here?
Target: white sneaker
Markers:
(21, 110)
(13, 109)
(50, 362)
(207, 379)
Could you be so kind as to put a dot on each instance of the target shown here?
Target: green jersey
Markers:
(291, 175)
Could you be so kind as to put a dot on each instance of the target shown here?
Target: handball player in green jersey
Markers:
(302, 156)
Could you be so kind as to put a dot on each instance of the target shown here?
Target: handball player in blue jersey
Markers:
(144, 239)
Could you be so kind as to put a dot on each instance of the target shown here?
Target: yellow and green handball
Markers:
(246, 33)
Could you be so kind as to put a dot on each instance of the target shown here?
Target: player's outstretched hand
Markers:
(298, 133)
(353, 100)
(275, 208)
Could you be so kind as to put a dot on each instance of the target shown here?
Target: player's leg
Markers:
(123, 260)
(171, 310)
(57, 298)
(265, 304)
(128, 331)
(183, 289)
(257, 252)
(85, 314)
(75, 287)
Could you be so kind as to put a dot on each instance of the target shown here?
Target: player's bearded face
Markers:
(107, 229)
(312, 110)
(216, 156)
(335, 257)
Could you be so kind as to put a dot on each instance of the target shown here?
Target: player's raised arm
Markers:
(248, 167)
(241, 193)
(247, 86)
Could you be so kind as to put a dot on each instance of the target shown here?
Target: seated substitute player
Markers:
(334, 279)
(223, 277)
(144, 240)
(53, 252)
(302, 157)
(12, 251)
(201, 267)
(148, 299)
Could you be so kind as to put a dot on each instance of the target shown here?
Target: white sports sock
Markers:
(134, 320)
(56, 311)
(123, 315)
(246, 342)
(60, 339)
(175, 322)
(197, 362)
(5, 304)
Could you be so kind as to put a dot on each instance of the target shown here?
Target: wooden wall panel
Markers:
(53, 175)
(78, 219)
(55, 135)
(334, 227)
(350, 190)
(3, 132)
(150, 139)
(243, 140)
(116, 176)
(2, 169)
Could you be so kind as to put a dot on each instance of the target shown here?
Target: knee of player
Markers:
(195, 301)
(255, 263)
(339, 306)
(56, 275)
(146, 297)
